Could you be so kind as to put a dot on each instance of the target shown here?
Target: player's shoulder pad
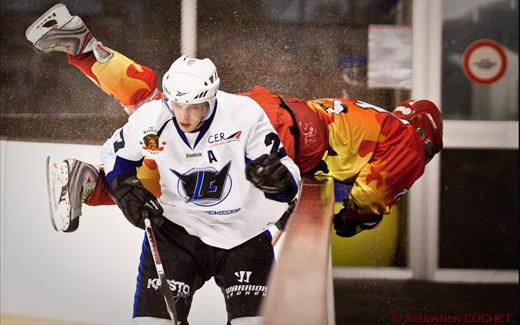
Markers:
(241, 106)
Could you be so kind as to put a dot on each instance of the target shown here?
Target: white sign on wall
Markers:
(390, 56)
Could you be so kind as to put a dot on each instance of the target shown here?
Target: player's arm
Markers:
(270, 169)
(377, 187)
(350, 220)
(121, 156)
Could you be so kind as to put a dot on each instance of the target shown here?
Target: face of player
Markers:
(189, 116)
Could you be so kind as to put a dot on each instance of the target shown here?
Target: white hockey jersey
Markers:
(203, 183)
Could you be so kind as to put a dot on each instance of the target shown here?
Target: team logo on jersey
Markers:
(333, 106)
(204, 186)
(220, 138)
(151, 143)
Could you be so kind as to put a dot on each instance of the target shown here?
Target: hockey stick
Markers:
(276, 237)
(163, 282)
(282, 222)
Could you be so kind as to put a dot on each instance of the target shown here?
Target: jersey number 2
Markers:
(272, 138)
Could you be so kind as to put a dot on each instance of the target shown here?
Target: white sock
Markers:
(151, 321)
(255, 320)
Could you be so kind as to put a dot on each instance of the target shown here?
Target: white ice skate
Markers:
(69, 183)
(57, 30)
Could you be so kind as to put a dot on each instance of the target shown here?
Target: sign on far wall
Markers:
(484, 61)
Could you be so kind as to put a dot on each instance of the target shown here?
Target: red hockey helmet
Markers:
(426, 118)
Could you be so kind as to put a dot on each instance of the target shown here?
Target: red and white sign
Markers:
(484, 61)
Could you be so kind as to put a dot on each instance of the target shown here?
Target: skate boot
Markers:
(69, 184)
(57, 30)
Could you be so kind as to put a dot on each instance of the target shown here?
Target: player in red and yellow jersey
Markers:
(381, 154)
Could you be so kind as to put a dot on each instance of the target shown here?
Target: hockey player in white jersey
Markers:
(225, 179)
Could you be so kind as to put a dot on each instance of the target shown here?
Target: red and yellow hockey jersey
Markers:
(371, 148)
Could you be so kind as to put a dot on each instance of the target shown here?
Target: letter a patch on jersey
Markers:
(204, 187)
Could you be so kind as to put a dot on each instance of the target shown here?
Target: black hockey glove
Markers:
(348, 228)
(268, 174)
(136, 202)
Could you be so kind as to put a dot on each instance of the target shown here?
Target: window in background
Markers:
(464, 22)
(479, 209)
(295, 48)
(478, 223)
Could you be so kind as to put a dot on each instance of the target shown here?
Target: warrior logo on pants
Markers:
(243, 276)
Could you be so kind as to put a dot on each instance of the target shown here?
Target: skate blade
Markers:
(52, 207)
(53, 183)
(58, 13)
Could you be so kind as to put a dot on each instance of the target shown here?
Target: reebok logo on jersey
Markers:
(204, 187)
(220, 138)
(193, 155)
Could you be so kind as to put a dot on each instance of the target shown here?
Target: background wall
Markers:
(88, 275)
(294, 48)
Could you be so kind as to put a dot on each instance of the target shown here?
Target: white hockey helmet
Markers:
(191, 81)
